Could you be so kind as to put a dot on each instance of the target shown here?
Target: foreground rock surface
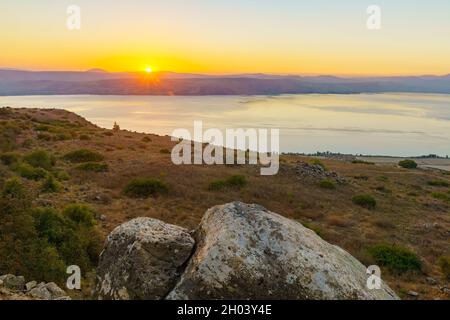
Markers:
(241, 252)
(141, 260)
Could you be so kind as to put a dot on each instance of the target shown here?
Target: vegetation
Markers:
(317, 162)
(9, 158)
(408, 164)
(83, 155)
(40, 243)
(444, 264)
(28, 172)
(235, 181)
(327, 184)
(93, 167)
(145, 187)
(50, 185)
(439, 183)
(362, 162)
(40, 159)
(365, 201)
(395, 258)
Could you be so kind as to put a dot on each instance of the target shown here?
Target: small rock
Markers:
(40, 292)
(12, 282)
(103, 217)
(30, 285)
(55, 291)
(431, 281)
(63, 298)
(413, 294)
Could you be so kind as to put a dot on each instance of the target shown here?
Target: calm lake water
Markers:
(383, 124)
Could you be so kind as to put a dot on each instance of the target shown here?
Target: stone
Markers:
(142, 260)
(40, 292)
(247, 252)
(413, 294)
(55, 291)
(30, 285)
(12, 282)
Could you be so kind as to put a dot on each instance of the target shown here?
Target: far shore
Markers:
(432, 163)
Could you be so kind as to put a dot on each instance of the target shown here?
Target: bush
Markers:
(362, 162)
(83, 155)
(327, 184)
(408, 164)
(93, 167)
(50, 185)
(439, 183)
(395, 258)
(144, 188)
(9, 158)
(40, 159)
(236, 181)
(62, 175)
(444, 264)
(13, 188)
(80, 214)
(440, 196)
(28, 172)
(365, 201)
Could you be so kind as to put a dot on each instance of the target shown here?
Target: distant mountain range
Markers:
(100, 82)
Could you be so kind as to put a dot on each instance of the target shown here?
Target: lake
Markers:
(400, 124)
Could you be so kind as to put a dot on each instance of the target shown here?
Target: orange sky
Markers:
(227, 37)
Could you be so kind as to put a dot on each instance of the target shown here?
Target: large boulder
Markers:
(247, 252)
(241, 252)
(142, 260)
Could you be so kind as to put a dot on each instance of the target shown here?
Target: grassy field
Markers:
(411, 210)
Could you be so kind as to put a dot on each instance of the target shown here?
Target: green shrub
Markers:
(145, 187)
(395, 258)
(62, 175)
(236, 181)
(28, 172)
(40, 159)
(327, 184)
(362, 162)
(9, 158)
(80, 214)
(83, 155)
(50, 185)
(439, 183)
(408, 164)
(365, 201)
(93, 167)
(13, 188)
(440, 196)
(444, 264)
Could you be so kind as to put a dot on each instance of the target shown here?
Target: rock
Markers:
(55, 291)
(13, 282)
(305, 170)
(247, 252)
(413, 294)
(40, 292)
(30, 285)
(103, 217)
(432, 281)
(66, 298)
(142, 259)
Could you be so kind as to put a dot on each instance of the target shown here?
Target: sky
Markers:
(232, 36)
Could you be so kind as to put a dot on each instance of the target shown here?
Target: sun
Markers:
(148, 70)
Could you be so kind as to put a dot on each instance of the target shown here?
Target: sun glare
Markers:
(148, 70)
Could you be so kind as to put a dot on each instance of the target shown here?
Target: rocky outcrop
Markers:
(15, 288)
(142, 260)
(241, 252)
(306, 171)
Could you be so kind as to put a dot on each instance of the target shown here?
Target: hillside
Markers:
(412, 207)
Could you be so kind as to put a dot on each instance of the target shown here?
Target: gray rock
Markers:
(12, 282)
(142, 259)
(40, 292)
(55, 291)
(413, 294)
(247, 252)
(30, 285)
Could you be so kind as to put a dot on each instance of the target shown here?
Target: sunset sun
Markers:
(148, 70)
